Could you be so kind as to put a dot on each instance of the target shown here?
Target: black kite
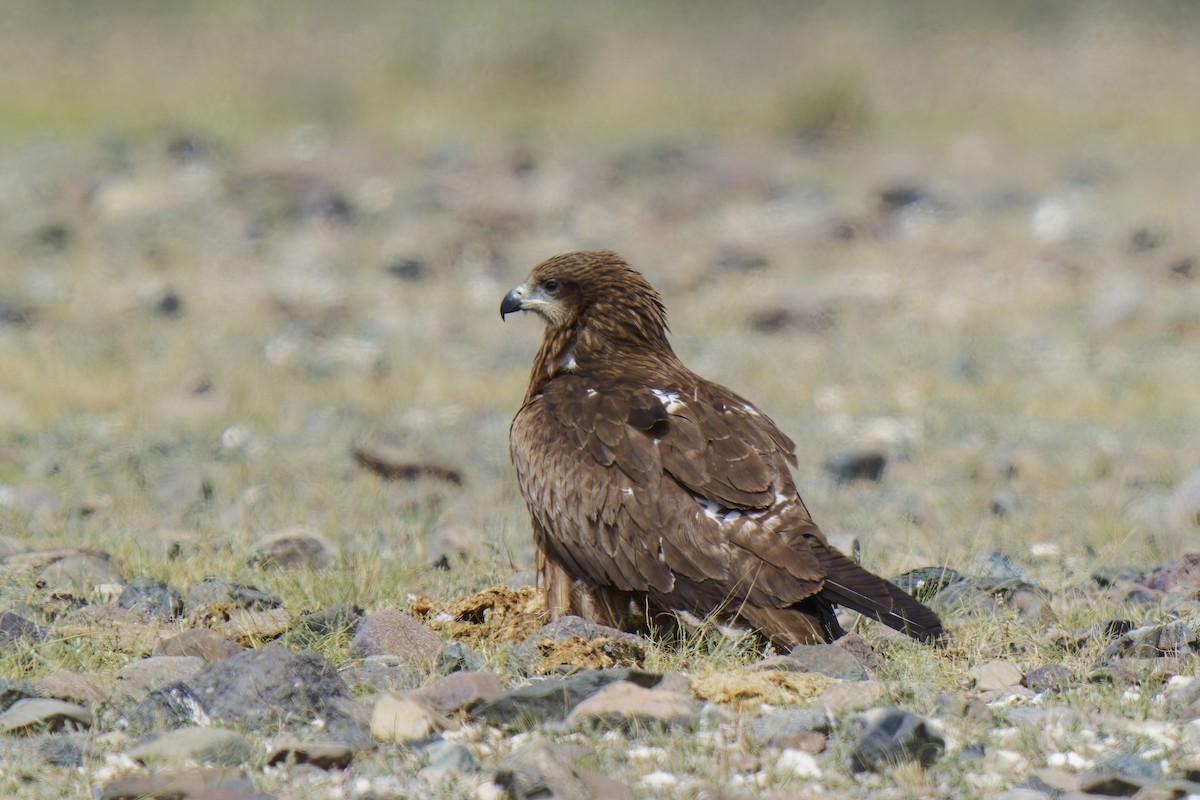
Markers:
(654, 491)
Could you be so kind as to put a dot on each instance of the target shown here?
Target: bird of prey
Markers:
(655, 493)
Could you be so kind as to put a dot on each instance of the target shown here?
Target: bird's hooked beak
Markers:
(524, 298)
(513, 301)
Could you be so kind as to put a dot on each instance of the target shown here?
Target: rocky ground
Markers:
(259, 536)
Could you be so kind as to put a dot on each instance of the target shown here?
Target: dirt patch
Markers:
(742, 688)
(497, 614)
(578, 652)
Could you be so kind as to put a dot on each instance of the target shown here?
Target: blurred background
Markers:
(240, 239)
(561, 75)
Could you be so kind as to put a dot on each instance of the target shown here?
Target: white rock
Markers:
(488, 791)
(1005, 761)
(1071, 760)
(995, 676)
(1045, 550)
(36, 714)
(397, 719)
(658, 780)
(799, 763)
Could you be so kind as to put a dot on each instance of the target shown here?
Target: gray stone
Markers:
(857, 646)
(851, 695)
(452, 757)
(81, 573)
(995, 676)
(460, 690)
(392, 632)
(1048, 677)
(39, 714)
(925, 582)
(396, 718)
(626, 706)
(541, 769)
(215, 746)
(175, 705)
(216, 592)
(73, 687)
(138, 678)
(1035, 605)
(151, 596)
(340, 618)
(1179, 576)
(245, 625)
(988, 596)
(203, 643)
(772, 728)
(827, 659)
(268, 687)
(1111, 784)
(999, 566)
(892, 735)
(956, 705)
(457, 656)
(293, 548)
(551, 699)
(13, 626)
(384, 674)
(1129, 766)
(12, 691)
(1056, 780)
(211, 782)
(1174, 638)
(1111, 576)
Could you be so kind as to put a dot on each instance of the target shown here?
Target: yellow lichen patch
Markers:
(776, 687)
(493, 615)
(599, 653)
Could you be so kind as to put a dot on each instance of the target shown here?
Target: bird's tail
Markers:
(848, 584)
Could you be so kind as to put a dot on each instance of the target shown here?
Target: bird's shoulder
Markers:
(709, 439)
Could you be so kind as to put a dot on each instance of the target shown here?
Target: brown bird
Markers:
(655, 492)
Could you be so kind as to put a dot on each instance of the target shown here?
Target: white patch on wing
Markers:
(780, 497)
(670, 400)
(592, 392)
(751, 410)
(627, 491)
(717, 512)
(692, 622)
(568, 360)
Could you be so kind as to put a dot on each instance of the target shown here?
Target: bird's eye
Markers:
(551, 286)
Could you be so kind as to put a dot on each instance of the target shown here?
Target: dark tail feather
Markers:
(847, 584)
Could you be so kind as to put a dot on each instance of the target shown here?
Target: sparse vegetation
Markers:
(200, 205)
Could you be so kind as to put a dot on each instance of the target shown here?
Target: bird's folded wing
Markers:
(642, 487)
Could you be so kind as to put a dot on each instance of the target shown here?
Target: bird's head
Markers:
(572, 289)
